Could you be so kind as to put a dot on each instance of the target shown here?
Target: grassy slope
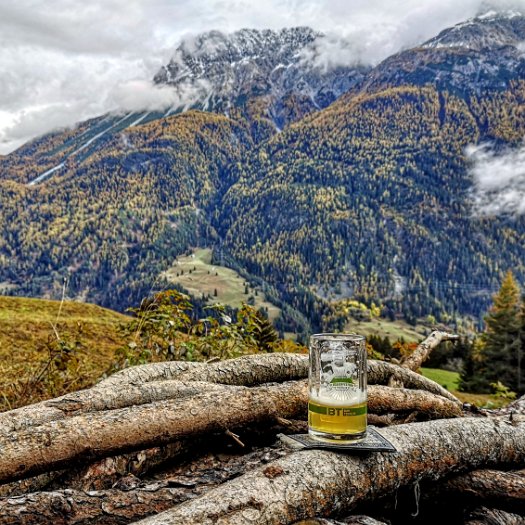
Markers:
(26, 325)
(450, 380)
(207, 277)
(393, 329)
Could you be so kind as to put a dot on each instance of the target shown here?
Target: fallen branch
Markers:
(385, 400)
(95, 435)
(485, 516)
(90, 436)
(169, 380)
(312, 483)
(424, 349)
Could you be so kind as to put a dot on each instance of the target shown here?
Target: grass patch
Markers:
(446, 378)
(450, 381)
(392, 329)
(206, 278)
(27, 324)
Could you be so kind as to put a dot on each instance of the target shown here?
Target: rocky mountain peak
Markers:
(230, 69)
(490, 30)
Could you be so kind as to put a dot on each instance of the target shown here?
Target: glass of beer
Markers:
(337, 405)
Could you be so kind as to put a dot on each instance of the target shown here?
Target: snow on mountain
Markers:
(251, 63)
(488, 31)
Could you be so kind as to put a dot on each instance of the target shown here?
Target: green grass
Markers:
(450, 381)
(27, 324)
(206, 277)
(392, 329)
(447, 379)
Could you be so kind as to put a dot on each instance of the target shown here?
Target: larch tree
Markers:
(502, 348)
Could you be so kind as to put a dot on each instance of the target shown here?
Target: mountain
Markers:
(364, 196)
(269, 78)
(278, 71)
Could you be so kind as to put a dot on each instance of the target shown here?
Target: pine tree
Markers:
(501, 352)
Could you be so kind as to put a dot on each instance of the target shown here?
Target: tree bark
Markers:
(505, 490)
(424, 349)
(485, 516)
(385, 400)
(52, 445)
(322, 483)
(90, 436)
(105, 507)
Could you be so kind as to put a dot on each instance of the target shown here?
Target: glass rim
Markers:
(337, 336)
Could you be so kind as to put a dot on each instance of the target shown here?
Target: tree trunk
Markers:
(104, 507)
(322, 483)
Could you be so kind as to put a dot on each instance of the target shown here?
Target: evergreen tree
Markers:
(471, 378)
(501, 352)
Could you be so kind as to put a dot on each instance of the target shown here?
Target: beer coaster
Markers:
(372, 442)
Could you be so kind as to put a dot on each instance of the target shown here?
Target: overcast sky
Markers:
(62, 61)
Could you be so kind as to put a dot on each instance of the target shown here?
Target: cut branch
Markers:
(161, 381)
(424, 349)
(504, 490)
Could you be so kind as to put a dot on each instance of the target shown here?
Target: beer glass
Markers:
(337, 404)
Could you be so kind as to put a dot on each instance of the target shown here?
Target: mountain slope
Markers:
(26, 325)
(368, 197)
(270, 74)
(370, 192)
(120, 217)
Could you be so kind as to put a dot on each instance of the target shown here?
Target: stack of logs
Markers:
(187, 443)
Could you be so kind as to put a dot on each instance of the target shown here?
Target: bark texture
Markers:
(107, 507)
(53, 445)
(485, 516)
(424, 349)
(494, 487)
(312, 483)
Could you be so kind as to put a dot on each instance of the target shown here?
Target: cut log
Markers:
(385, 400)
(168, 380)
(383, 373)
(312, 483)
(90, 436)
(157, 381)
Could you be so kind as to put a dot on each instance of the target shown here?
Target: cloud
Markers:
(139, 95)
(69, 60)
(498, 180)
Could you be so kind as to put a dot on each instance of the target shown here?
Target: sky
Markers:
(63, 61)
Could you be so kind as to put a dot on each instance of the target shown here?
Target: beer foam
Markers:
(338, 397)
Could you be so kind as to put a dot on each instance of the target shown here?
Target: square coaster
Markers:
(373, 442)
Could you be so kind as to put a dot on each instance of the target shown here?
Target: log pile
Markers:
(189, 443)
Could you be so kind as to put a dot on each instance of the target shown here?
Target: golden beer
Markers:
(337, 405)
(330, 419)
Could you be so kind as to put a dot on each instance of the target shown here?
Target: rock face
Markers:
(230, 70)
(483, 53)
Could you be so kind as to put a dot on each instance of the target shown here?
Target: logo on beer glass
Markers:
(337, 406)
